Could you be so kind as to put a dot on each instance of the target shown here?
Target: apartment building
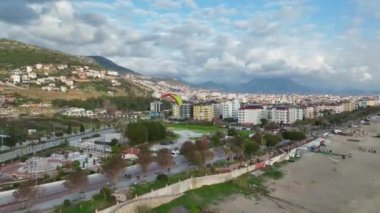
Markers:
(230, 109)
(185, 111)
(203, 112)
(251, 115)
(156, 106)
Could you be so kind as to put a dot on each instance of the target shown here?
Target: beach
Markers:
(322, 182)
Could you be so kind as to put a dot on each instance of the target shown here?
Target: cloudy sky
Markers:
(329, 43)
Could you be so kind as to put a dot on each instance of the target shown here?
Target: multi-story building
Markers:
(294, 114)
(185, 111)
(348, 106)
(279, 114)
(309, 112)
(251, 115)
(156, 106)
(203, 112)
(230, 109)
(217, 110)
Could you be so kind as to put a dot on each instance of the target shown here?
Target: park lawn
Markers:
(244, 133)
(196, 127)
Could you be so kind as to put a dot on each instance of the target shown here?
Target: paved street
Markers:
(73, 140)
(53, 194)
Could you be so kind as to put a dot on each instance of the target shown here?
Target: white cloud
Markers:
(219, 43)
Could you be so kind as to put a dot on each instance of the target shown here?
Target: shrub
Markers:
(66, 203)
(162, 177)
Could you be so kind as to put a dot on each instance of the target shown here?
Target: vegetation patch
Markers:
(99, 201)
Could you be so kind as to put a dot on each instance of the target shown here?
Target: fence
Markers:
(170, 192)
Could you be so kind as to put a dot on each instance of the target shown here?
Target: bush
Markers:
(293, 135)
(66, 203)
(162, 177)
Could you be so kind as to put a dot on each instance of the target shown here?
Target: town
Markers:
(189, 106)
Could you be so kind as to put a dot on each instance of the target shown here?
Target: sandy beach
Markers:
(323, 183)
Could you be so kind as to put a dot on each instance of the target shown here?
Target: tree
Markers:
(198, 153)
(76, 180)
(69, 129)
(137, 133)
(145, 158)
(294, 135)
(26, 193)
(263, 122)
(272, 140)
(113, 167)
(187, 149)
(250, 147)
(271, 126)
(81, 128)
(258, 137)
(232, 132)
(215, 138)
(164, 158)
(114, 141)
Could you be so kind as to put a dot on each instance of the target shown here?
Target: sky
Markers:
(318, 43)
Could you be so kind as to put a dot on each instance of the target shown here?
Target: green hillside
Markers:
(14, 54)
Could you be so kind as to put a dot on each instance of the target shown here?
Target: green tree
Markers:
(272, 140)
(137, 133)
(81, 128)
(215, 138)
(69, 129)
(232, 132)
(263, 122)
(294, 135)
(250, 147)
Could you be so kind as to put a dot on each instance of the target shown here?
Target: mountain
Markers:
(14, 54)
(110, 65)
(274, 85)
(210, 85)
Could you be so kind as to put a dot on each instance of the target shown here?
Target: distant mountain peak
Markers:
(110, 65)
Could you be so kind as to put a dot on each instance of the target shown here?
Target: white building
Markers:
(230, 109)
(156, 106)
(250, 115)
(279, 114)
(32, 75)
(29, 69)
(294, 114)
(16, 78)
(112, 73)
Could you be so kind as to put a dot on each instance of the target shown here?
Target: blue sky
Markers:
(326, 42)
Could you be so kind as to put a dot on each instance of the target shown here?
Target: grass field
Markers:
(196, 127)
(199, 199)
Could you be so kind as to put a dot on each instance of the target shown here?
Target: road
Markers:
(53, 194)
(73, 140)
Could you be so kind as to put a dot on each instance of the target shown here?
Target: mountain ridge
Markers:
(110, 65)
